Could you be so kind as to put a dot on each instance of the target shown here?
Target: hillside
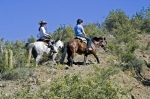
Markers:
(36, 78)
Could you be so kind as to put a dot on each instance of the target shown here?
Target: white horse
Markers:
(39, 48)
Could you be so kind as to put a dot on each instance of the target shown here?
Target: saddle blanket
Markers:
(44, 40)
(81, 39)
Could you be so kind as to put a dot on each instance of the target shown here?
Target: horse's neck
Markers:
(95, 45)
(56, 44)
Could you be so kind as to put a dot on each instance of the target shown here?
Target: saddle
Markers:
(46, 41)
(81, 39)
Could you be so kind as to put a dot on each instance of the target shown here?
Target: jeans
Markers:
(88, 40)
(52, 41)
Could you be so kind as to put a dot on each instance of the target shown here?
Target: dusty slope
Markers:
(43, 75)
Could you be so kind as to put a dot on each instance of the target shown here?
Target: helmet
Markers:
(42, 22)
(79, 21)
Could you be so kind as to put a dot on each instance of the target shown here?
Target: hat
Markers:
(42, 22)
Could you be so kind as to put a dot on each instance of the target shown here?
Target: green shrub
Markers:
(96, 85)
(132, 63)
(3, 65)
(18, 73)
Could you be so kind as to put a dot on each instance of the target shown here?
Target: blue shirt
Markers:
(78, 29)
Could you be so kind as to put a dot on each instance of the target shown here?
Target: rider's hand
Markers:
(50, 36)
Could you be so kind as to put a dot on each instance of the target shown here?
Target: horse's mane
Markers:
(97, 39)
(57, 39)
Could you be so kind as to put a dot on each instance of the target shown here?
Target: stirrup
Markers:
(89, 49)
(53, 51)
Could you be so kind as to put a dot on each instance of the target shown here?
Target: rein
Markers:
(93, 44)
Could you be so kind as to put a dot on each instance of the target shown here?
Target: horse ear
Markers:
(104, 38)
(60, 38)
(56, 39)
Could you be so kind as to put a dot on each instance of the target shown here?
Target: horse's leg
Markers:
(31, 46)
(72, 56)
(85, 58)
(70, 59)
(38, 59)
(96, 58)
(54, 57)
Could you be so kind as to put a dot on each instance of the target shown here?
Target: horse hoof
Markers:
(54, 63)
(84, 64)
(67, 67)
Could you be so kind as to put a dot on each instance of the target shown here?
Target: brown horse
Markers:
(77, 46)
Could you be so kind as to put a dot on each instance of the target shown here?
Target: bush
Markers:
(18, 73)
(96, 85)
(3, 66)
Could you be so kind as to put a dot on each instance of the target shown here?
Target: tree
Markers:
(115, 20)
(93, 29)
(66, 33)
(146, 24)
(31, 39)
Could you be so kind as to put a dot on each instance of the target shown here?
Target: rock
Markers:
(2, 85)
(51, 71)
(146, 56)
(30, 80)
(48, 80)
(15, 88)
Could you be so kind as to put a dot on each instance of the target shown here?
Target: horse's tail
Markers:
(30, 48)
(64, 53)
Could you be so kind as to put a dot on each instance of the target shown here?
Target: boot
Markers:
(89, 49)
(52, 49)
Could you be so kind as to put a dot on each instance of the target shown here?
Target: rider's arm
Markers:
(83, 32)
(82, 29)
(44, 32)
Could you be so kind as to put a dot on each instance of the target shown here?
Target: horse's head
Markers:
(100, 41)
(59, 43)
(104, 43)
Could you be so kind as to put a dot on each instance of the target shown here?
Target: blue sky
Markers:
(19, 18)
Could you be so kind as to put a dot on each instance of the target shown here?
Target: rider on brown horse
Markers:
(79, 31)
(44, 36)
(79, 46)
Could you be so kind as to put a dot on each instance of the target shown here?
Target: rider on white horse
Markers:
(44, 36)
(38, 49)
